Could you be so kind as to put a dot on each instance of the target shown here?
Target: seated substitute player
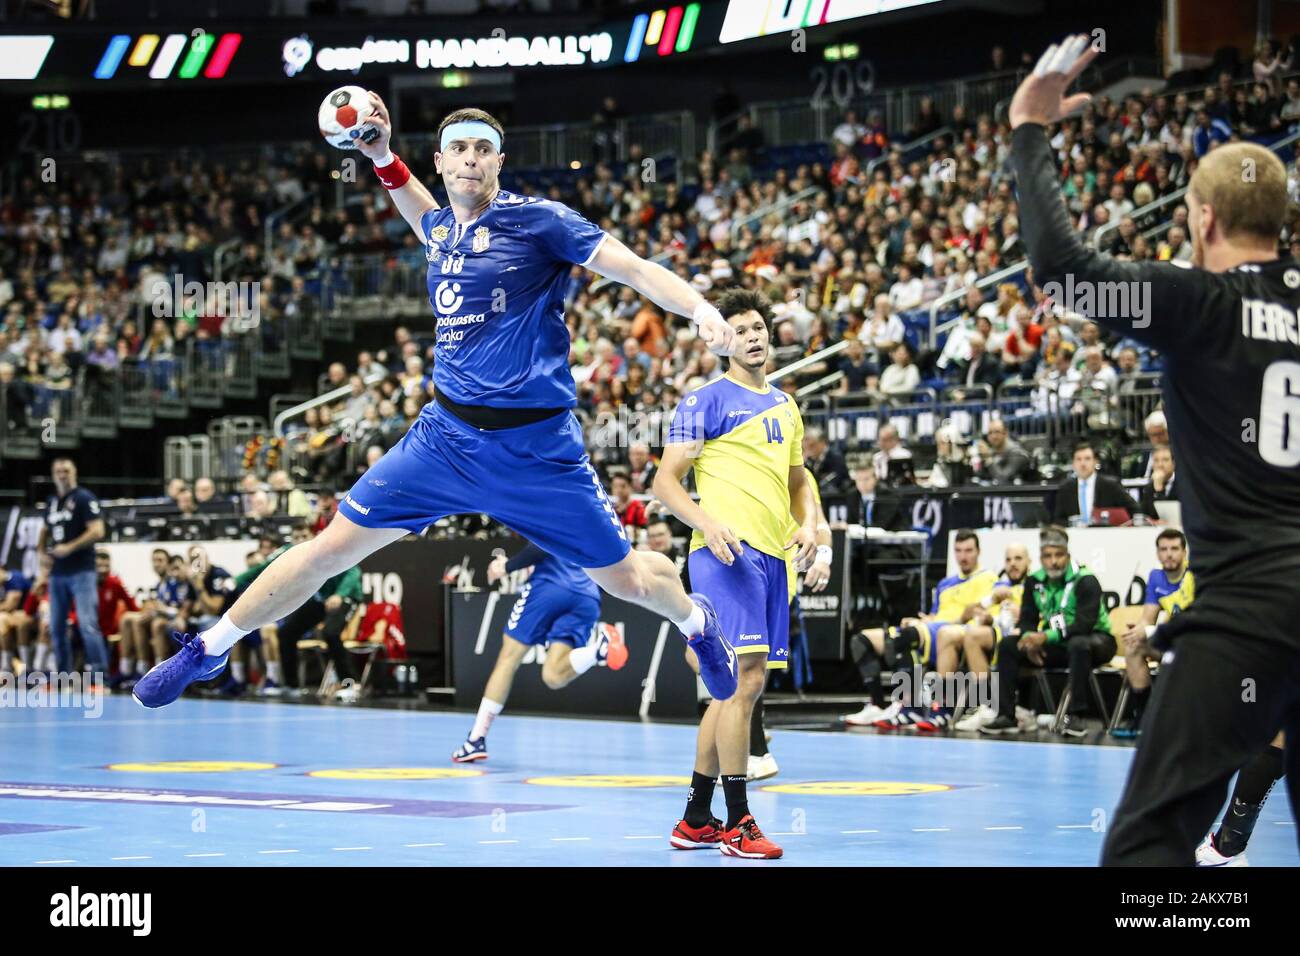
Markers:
(558, 608)
(1170, 588)
(501, 434)
(1063, 620)
(992, 619)
(744, 439)
(13, 591)
(933, 639)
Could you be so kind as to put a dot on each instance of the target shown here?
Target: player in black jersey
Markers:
(1227, 328)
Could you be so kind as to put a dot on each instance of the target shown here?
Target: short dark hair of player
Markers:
(471, 115)
(966, 534)
(740, 301)
(1172, 533)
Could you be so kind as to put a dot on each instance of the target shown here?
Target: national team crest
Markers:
(439, 233)
(481, 239)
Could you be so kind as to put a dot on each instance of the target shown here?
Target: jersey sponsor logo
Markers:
(439, 233)
(348, 499)
(482, 237)
(750, 637)
(1292, 278)
(692, 399)
(447, 298)
(740, 411)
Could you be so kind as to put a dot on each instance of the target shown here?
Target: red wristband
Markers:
(394, 175)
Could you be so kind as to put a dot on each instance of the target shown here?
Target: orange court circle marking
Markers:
(191, 766)
(396, 773)
(856, 788)
(611, 780)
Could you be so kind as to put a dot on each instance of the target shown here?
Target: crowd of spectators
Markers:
(880, 235)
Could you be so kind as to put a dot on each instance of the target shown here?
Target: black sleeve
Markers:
(1087, 607)
(526, 558)
(1174, 294)
(1028, 610)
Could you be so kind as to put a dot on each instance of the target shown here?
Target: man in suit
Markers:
(1088, 489)
(826, 464)
(1161, 487)
(874, 505)
(981, 369)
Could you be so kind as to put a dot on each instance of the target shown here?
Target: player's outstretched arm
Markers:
(1160, 290)
(613, 260)
(409, 195)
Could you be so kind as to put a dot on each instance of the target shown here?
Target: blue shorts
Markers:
(546, 612)
(930, 649)
(752, 598)
(535, 479)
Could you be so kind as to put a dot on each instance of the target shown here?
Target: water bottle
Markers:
(399, 672)
(1006, 618)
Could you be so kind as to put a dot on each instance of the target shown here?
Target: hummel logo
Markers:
(348, 499)
(731, 658)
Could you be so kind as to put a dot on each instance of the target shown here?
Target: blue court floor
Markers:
(279, 785)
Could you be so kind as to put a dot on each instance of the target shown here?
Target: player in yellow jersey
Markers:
(754, 526)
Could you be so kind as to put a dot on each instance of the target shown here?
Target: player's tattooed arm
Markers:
(673, 467)
(613, 260)
(412, 200)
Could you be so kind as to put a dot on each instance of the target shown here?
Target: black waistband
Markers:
(494, 419)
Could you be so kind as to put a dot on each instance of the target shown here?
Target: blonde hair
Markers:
(1246, 186)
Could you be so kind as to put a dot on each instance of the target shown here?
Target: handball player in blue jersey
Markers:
(557, 609)
(500, 438)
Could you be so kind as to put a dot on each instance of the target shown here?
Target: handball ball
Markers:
(343, 118)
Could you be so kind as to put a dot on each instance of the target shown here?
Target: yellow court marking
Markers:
(191, 766)
(856, 788)
(396, 773)
(611, 780)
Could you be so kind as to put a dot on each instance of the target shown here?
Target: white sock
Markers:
(237, 671)
(583, 658)
(487, 710)
(222, 636)
(141, 667)
(273, 671)
(42, 655)
(25, 655)
(693, 624)
(126, 666)
(6, 657)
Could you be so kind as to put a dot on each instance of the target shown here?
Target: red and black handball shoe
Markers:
(746, 840)
(687, 837)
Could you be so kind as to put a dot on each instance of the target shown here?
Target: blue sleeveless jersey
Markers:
(497, 290)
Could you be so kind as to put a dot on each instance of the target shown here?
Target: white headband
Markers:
(470, 129)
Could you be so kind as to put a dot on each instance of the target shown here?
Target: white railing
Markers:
(991, 279)
(758, 215)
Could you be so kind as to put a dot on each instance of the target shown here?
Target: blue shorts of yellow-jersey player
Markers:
(545, 613)
(752, 598)
(535, 479)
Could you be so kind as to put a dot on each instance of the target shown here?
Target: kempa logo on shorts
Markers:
(750, 637)
(77, 909)
(348, 499)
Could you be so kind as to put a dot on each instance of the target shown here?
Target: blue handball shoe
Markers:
(716, 655)
(167, 680)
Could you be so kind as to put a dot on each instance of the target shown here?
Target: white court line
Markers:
(655, 837)
(790, 833)
(1074, 826)
(203, 854)
(859, 831)
(931, 829)
(55, 861)
(131, 858)
(568, 839)
(1283, 823)
(1004, 828)
(101, 722)
(498, 841)
(278, 851)
(340, 849)
(424, 844)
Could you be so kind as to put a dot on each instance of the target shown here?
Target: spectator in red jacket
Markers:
(630, 511)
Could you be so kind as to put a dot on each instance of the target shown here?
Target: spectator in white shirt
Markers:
(901, 375)
(891, 448)
(849, 132)
(65, 337)
(883, 330)
(1118, 205)
(907, 292)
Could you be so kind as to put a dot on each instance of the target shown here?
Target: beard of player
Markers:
(1236, 203)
